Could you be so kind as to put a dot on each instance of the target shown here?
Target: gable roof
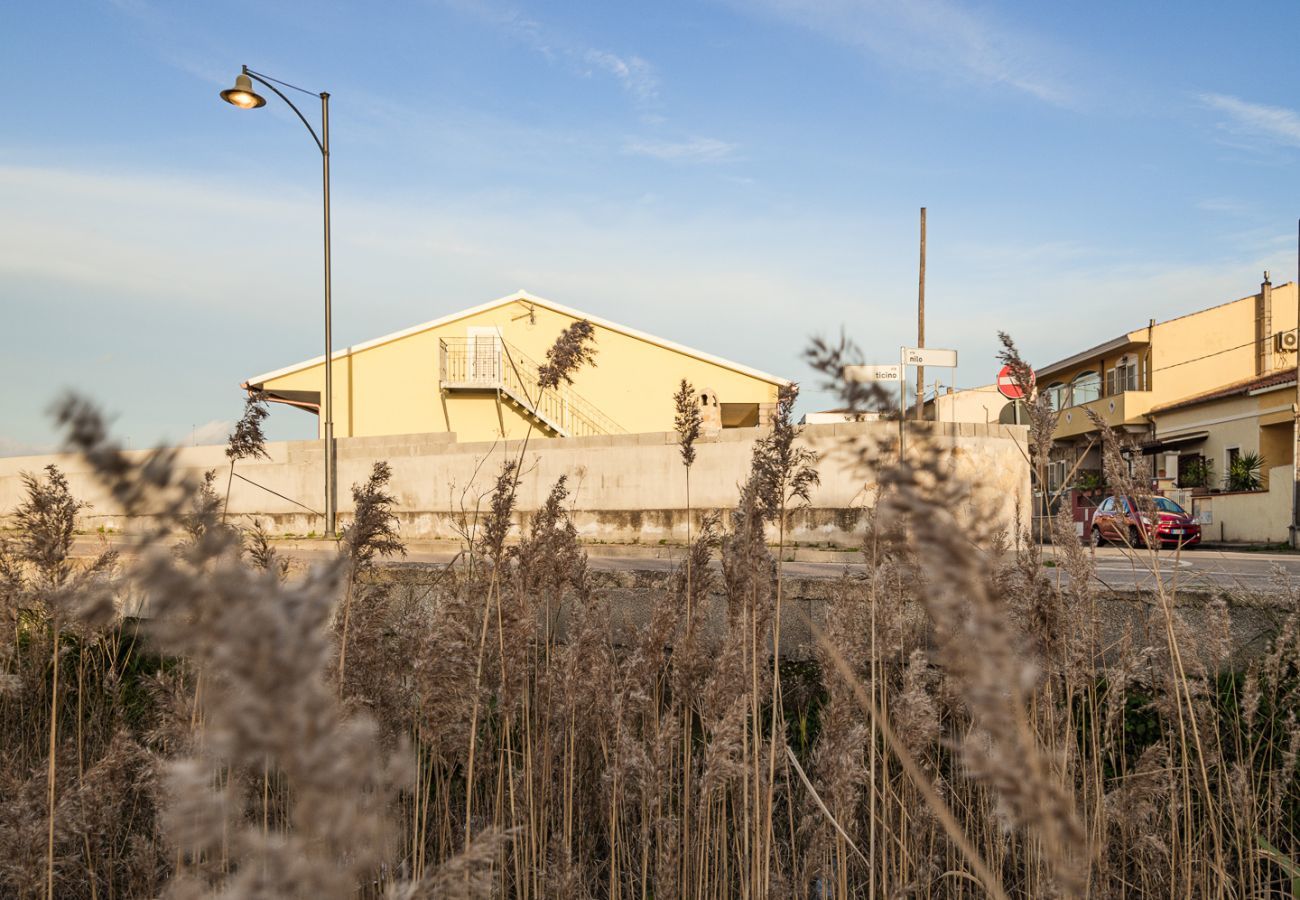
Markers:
(525, 297)
(1273, 380)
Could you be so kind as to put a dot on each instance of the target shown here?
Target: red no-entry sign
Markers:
(1007, 386)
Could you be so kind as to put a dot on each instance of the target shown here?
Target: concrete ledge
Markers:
(632, 595)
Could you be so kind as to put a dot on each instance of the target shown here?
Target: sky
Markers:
(735, 176)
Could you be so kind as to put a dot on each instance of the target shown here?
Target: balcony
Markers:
(1118, 410)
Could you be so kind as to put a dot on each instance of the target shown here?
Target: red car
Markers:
(1117, 519)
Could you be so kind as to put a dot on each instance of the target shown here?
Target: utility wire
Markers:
(1215, 353)
(277, 493)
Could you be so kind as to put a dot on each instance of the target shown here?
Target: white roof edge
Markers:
(531, 298)
(1083, 355)
(1286, 385)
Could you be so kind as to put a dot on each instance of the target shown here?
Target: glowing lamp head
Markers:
(242, 94)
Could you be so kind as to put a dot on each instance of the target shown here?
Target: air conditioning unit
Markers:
(1286, 341)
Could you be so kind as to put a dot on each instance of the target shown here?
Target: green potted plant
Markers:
(1245, 473)
(1089, 481)
(1198, 473)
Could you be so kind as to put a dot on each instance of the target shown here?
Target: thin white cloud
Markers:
(1227, 205)
(216, 431)
(636, 75)
(1275, 123)
(934, 35)
(695, 150)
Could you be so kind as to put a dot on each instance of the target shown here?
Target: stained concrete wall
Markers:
(623, 489)
(1121, 616)
(1249, 517)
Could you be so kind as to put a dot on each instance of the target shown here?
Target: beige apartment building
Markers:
(1141, 380)
(1227, 455)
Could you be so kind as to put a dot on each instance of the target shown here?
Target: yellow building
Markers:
(1198, 439)
(474, 373)
(1228, 454)
(984, 405)
(1127, 380)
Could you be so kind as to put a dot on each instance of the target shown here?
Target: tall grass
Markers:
(962, 728)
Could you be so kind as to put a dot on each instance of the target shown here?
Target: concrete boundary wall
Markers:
(1253, 619)
(625, 488)
(1248, 517)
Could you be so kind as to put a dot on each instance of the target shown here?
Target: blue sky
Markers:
(734, 176)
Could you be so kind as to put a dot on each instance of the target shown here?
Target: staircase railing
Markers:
(489, 363)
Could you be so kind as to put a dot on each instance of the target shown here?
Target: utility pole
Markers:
(920, 326)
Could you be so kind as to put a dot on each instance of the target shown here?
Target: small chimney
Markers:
(1264, 328)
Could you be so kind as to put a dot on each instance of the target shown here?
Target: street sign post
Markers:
(873, 373)
(1008, 388)
(930, 356)
(1007, 385)
(926, 357)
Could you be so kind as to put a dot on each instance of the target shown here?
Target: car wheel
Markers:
(1134, 538)
(1097, 539)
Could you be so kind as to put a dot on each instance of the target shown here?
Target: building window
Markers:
(1231, 455)
(1085, 388)
(1124, 377)
(1056, 395)
(1055, 475)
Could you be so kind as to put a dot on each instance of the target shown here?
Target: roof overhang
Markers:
(519, 296)
(1284, 386)
(308, 400)
(1069, 362)
(1150, 448)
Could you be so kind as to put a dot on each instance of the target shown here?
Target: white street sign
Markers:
(930, 356)
(873, 373)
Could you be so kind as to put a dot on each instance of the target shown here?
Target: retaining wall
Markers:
(1119, 615)
(626, 488)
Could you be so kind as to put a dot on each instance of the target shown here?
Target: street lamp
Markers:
(243, 96)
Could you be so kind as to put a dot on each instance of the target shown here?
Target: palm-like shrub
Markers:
(1245, 473)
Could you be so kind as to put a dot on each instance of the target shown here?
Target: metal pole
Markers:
(331, 489)
(920, 325)
(902, 398)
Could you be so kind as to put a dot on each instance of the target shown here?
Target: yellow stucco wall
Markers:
(982, 405)
(393, 388)
(1255, 517)
(1209, 346)
(1241, 422)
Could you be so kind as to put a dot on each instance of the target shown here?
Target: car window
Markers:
(1164, 504)
(1107, 505)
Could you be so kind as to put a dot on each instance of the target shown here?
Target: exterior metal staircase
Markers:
(488, 363)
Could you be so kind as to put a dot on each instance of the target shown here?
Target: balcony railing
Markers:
(489, 363)
(1118, 381)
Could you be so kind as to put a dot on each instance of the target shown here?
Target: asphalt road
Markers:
(1115, 567)
(1203, 568)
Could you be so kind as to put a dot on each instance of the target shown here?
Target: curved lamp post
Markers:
(243, 96)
